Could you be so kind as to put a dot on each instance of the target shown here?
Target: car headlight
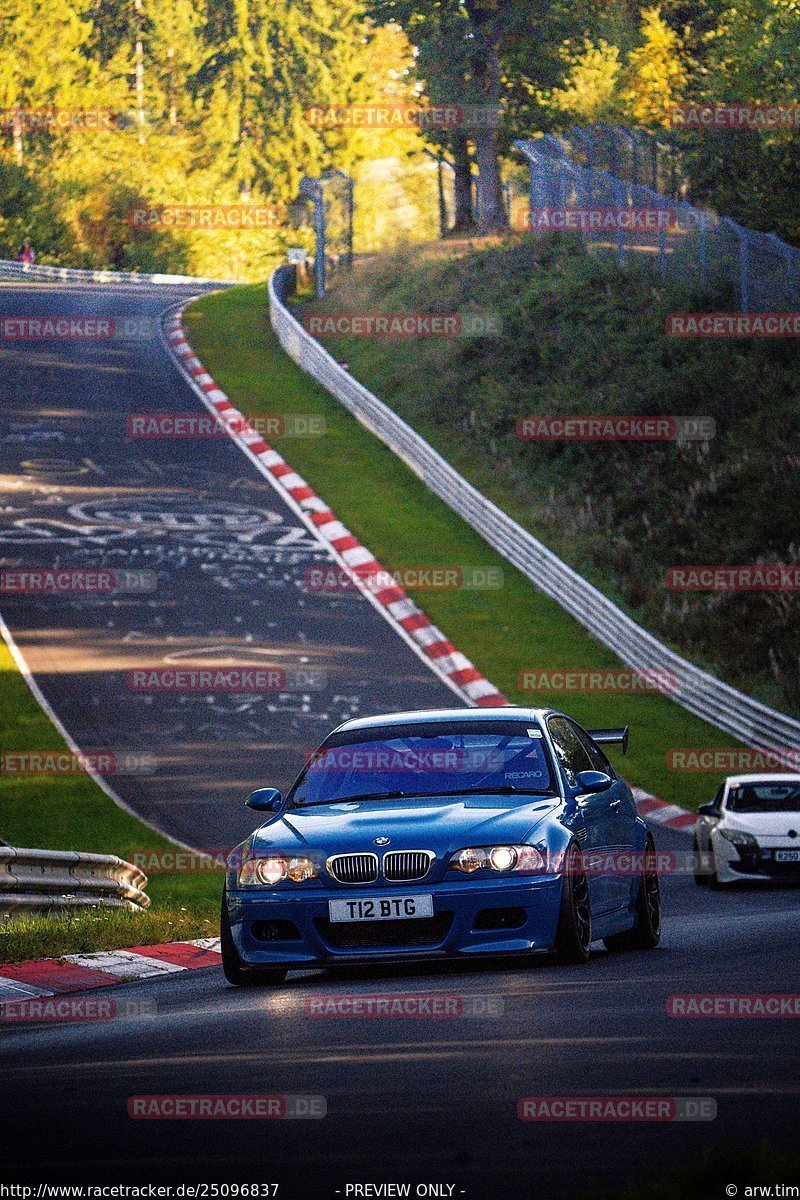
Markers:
(739, 838)
(497, 858)
(261, 872)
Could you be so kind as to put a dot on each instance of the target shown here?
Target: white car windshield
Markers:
(764, 798)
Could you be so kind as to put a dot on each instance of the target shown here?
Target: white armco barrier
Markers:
(23, 271)
(700, 693)
(46, 881)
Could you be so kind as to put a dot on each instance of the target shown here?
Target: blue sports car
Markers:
(439, 835)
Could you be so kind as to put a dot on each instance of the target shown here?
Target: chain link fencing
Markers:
(621, 192)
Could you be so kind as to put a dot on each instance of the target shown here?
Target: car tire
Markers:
(646, 933)
(574, 933)
(700, 877)
(233, 968)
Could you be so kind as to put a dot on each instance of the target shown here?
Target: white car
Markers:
(750, 831)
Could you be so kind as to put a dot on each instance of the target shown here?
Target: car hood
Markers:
(440, 824)
(763, 824)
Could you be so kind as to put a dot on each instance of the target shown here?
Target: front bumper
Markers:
(272, 927)
(753, 864)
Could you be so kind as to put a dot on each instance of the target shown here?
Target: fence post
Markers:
(333, 173)
(618, 193)
(662, 253)
(701, 217)
(787, 254)
(312, 188)
(745, 269)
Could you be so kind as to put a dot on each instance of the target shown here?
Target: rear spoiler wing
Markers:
(610, 737)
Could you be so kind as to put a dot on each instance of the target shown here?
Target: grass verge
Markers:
(384, 503)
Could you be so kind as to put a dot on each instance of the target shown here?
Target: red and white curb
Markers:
(663, 813)
(80, 972)
(411, 622)
(361, 565)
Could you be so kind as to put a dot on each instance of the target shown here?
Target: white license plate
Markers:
(787, 856)
(381, 908)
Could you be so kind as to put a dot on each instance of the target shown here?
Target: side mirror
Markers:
(593, 781)
(708, 810)
(264, 800)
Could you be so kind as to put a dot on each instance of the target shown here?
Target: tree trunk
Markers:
(464, 218)
(491, 208)
(486, 23)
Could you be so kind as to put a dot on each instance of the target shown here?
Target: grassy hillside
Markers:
(580, 337)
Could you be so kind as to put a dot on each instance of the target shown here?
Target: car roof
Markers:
(765, 777)
(506, 712)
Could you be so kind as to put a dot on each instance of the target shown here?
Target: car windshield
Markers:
(409, 762)
(764, 798)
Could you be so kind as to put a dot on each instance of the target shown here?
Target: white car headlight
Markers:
(738, 837)
(265, 872)
(503, 859)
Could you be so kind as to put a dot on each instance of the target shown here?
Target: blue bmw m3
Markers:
(443, 835)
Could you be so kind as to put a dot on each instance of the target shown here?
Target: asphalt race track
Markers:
(224, 563)
(409, 1100)
(426, 1099)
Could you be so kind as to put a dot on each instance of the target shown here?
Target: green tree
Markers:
(752, 57)
(589, 93)
(267, 62)
(655, 76)
(42, 61)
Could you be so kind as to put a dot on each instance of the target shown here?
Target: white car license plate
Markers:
(787, 856)
(380, 908)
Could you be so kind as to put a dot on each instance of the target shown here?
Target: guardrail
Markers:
(45, 271)
(699, 692)
(46, 881)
